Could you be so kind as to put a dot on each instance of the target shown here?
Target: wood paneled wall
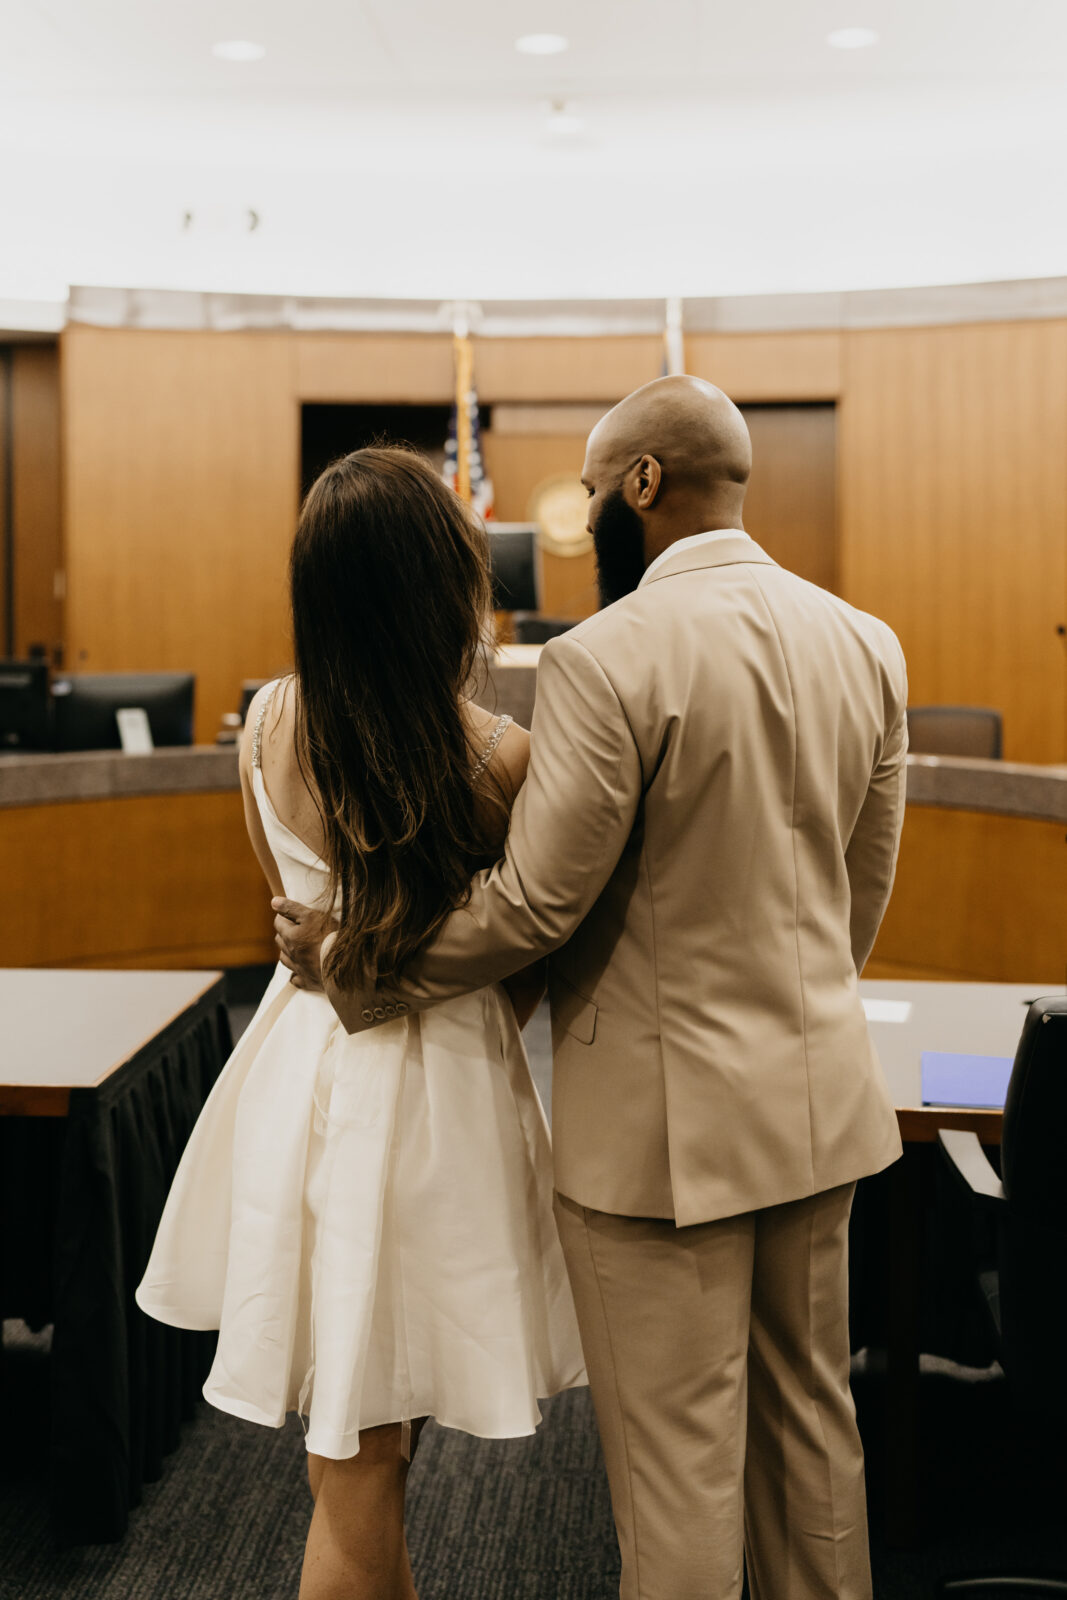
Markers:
(36, 498)
(768, 366)
(5, 482)
(517, 463)
(148, 881)
(953, 511)
(182, 482)
(29, 418)
(976, 897)
(181, 487)
(412, 368)
(790, 507)
(565, 369)
(791, 502)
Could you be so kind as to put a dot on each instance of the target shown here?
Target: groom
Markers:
(704, 846)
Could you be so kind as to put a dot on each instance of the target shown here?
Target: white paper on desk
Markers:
(135, 733)
(887, 1010)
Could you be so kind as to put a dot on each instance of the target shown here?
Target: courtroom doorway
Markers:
(330, 430)
(791, 504)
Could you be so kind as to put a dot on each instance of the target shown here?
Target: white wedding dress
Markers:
(367, 1220)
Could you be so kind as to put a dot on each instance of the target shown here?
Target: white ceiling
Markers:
(399, 146)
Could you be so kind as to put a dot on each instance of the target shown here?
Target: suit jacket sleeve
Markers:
(871, 856)
(569, 826)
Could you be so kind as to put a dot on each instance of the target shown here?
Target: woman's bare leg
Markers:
(356, 1548)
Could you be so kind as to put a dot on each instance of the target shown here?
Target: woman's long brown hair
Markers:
(390, 590)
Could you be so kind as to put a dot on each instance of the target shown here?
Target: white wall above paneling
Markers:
(400, 148)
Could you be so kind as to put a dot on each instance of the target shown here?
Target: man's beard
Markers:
(619, 542)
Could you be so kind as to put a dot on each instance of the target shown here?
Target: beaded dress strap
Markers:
(487, 754)
(257, 731)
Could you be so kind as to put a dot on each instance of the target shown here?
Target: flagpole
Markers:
(673, 336)
(464, 357)
(463, 371)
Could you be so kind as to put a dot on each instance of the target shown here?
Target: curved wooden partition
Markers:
(142, 861)
(981, 885)
(129, 861)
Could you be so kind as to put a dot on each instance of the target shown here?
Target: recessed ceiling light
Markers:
(852, 38)
(238, 50)
(542, 44)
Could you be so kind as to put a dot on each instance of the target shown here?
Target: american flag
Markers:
(464, 469)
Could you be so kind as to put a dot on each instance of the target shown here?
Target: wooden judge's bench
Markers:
(110, 860)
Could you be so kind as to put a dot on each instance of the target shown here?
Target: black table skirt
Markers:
(82, 1197)
(80, 1200)
(950, 1238)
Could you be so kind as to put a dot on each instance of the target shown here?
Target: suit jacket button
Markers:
(390, 1010)
(367, 1014)
(378, 1013)
(402, 1008)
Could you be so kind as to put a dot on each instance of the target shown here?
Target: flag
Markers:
(464, 469)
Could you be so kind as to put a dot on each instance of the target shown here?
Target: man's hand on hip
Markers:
(299, 933)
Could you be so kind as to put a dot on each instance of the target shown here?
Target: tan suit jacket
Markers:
(704, 845)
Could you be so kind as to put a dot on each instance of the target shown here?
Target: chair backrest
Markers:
(1033, 1148)
(530, 628)
(955, 731)
(1033, 1250)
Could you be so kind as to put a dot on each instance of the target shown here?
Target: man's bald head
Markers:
(670, 460)
(693, 430)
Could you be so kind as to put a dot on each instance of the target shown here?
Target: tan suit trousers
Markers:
(718, 1361)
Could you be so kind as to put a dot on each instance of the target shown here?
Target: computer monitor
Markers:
(85, 703)
(513, 559)
(25, 706)
(249, 689)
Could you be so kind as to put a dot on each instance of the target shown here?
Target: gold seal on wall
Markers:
(558, 505)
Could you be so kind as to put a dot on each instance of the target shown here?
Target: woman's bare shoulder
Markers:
(512, 754)
(267, 694)
(278, 719)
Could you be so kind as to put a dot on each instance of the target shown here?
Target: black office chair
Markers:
(531, 628)
(1026, 1296)
(955, 731)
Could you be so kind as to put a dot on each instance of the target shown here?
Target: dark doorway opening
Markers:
(329, 431)
(791, 504)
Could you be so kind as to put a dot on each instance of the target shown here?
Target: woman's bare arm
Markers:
(252, 818)
(510, 760)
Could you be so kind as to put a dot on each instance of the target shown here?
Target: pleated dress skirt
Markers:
(367, 1221)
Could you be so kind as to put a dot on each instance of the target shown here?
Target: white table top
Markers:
(979, 1019)
(70, 1029)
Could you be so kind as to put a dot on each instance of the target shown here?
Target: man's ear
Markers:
(648, 480)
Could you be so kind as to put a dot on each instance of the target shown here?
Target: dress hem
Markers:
(250, 1413)
(206, 1321)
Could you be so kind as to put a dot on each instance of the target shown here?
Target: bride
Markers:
(367, 1219)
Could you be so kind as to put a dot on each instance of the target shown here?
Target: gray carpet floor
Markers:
(526, 1519)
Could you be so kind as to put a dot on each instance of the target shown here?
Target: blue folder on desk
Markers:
(978, 1082)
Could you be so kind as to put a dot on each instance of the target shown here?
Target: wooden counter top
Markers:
(1002, 788)
(33, 779)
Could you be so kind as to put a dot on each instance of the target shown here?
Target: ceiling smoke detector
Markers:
(852, 38)
(542, 44)
(238, 50)
(561, 123)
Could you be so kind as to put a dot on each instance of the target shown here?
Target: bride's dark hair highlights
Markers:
(390, 591)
